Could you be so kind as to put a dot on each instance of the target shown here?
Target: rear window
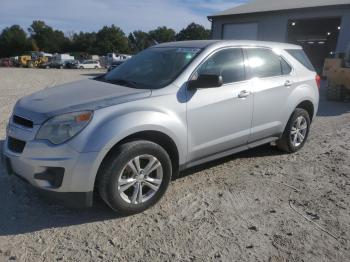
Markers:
(266, 63)
(300, 55)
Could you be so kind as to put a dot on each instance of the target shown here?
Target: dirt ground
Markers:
(259, 205)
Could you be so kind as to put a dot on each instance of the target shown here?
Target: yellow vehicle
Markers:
(337, 71)
(32, 61)
(24, 60)
(41, 60)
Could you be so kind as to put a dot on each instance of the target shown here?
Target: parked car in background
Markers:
(59, 60)
(170, 107)
(115, 65)
(112, 57)
(72, 64)
(90, 64)
(46, 65)
(6, 62)
(57, 64)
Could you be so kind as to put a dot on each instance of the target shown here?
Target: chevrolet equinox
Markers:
(173, 106)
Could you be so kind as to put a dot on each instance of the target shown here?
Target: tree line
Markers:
(14, 40)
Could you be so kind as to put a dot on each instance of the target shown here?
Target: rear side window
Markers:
(300, 55)
(229, 63)
(286, 69)
(265, 63)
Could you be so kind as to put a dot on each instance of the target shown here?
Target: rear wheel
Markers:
(135, 177)
(296, 132)
(81, 67)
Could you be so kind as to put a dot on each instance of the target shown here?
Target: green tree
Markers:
(111, 39)
(138, 41)
(47, 39)
(162, 35)
(193, 32)
(84, 42)
(13, 41)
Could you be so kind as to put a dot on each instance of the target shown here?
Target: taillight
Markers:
(318, 81)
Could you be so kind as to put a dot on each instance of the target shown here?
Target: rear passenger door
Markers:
(271, 78)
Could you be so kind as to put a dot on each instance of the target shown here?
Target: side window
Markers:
(228, 63)
(265, 63)
(286, 69)
(300, 55)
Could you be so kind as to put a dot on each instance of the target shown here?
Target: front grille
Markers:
(15, 145)
(22, 121)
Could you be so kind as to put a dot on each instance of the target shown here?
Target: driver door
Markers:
(219, 119)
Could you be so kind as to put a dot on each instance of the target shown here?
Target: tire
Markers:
(287, 143)
(81, 67)
(96, 67)
(116, 170)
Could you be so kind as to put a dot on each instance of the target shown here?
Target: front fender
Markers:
(109, 126)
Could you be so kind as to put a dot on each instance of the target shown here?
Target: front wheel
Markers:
(30, 64)
(296, 132)
(135, 177)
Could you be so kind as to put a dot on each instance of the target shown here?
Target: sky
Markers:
(130, 15)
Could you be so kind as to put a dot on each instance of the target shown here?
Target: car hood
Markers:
(77, 96)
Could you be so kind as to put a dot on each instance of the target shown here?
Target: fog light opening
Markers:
(53, 175)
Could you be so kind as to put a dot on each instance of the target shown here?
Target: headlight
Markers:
(61, 128)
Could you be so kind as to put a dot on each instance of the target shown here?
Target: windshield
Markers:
(153, 68)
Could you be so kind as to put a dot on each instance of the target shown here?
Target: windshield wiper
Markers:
(123, 82)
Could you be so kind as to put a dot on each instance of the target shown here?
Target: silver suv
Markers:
(173, 106)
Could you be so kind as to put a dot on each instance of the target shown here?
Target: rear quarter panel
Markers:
(305, 90)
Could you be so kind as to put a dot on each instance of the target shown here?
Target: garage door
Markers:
(246, 31)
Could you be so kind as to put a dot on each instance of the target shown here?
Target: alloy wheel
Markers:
(298, 131)
(140, 179)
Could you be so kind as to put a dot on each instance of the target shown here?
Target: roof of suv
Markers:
(207, 43)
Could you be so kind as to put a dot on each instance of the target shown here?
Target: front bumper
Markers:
(60, 171)
(70, 199)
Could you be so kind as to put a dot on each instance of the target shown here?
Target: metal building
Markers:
(322, 27)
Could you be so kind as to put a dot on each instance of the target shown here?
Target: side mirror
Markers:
(206, 81)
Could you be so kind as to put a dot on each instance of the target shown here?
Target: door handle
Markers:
(243, 94)
(288, 83)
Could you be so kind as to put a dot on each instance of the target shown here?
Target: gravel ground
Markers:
(259, 205)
